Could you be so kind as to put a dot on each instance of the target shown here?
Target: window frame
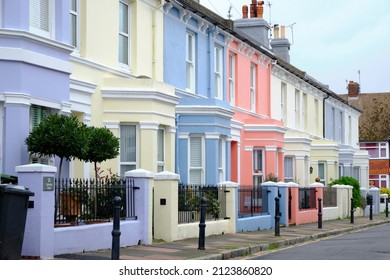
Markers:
(190, 61)
(75, 30)
(218, 72)
(200, 168)
(38, 30)
(232, 79)
(257, 174)
(222, 160)
(322, 179)
(123, 62)
(160, 150)
(253, 86)
(121, 152)
(289, 178)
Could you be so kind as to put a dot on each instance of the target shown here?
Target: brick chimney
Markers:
(353, 89)
(254, 27)
(280, 44)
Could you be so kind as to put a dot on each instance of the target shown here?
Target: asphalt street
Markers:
(368, 244)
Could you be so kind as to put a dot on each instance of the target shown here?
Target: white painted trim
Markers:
(111, 124)
(204, 110)
(264, 128)
(26, 56)
(148, 125)
(33, 37)
(130, 112)
(35, 167)
(212, 135)
(139, 94)
(17, 98)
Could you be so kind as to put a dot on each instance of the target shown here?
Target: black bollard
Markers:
(277, 216)
(387, 207)
(369, 201)
(319, 213)
(202, 224)
(116, 228)
(352, 211)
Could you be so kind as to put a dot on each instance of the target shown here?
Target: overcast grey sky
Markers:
(331, 40)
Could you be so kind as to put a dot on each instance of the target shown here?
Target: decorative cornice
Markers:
(139, 94)
(204, 110)
(264, 128)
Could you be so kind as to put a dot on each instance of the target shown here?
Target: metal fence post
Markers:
(370, 200)
(202, 224)
(387, 207)
(116, 228)
(319, 213)
(277, 216)
(352, 211)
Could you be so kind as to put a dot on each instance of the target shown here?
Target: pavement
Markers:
(237, 245)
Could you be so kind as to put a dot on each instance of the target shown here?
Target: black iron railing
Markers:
(83, 201)
(307, 198)
(253, 201)
(190, 198)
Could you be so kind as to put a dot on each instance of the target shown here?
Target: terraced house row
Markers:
(185, 90)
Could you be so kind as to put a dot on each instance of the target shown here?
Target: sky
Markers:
(334, 41)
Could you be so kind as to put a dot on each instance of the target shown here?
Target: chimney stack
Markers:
(280, 45)
(255, 27)
(353, 89)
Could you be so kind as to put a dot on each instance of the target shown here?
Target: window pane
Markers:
(74, 30)
(288, 167)
(195, 177)
(123, 18)
(73, 5)
(160, 145)
(123, 49)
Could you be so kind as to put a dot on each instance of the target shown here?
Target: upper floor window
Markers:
(297, 108)
(41, 17)
(74, 18)
(232, 79)
(304, 111)
(283, 102)
(218, 72)
(376, 150)
(253, 75)
(190, 62)
(124, 46)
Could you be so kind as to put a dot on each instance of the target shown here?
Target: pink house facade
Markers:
(257, 144)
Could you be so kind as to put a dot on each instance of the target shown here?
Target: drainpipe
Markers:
(323, 114)
(154, 34)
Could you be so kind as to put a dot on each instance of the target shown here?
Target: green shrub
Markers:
(345, 180)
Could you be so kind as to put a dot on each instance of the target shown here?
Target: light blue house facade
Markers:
(34, 71)
(194, 62)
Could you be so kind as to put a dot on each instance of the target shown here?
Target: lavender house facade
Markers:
(34, 71)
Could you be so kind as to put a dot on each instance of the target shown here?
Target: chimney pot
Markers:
(245, 11)
(276, 31)
(283, 31)
(260, 9)
(253, 10)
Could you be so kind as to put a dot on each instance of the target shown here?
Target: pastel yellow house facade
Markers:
(299, 105)
(116, 82)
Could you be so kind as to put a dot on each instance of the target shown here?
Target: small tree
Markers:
(58, 135)
(101, 145)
